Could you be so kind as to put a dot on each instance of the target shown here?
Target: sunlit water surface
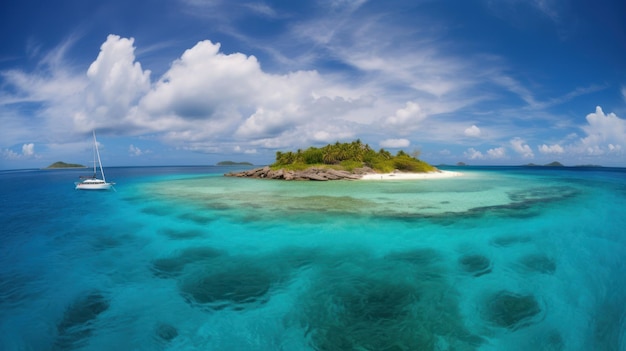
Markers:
(186, 259)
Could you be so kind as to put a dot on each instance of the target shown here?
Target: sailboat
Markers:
(93, 183)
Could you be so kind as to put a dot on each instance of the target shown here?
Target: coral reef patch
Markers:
(510, 310)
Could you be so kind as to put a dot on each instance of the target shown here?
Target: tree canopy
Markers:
(349, 156)
(61, 164)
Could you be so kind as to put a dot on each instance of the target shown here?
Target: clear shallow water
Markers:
(185, 259)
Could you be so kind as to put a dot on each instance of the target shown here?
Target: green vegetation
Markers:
(60, 164)
(349, 156)
(233, 163)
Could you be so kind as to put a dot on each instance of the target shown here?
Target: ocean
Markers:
(183, 258)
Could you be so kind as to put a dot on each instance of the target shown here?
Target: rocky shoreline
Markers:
(313, 173)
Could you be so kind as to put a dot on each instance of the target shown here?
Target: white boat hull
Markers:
(90, 185)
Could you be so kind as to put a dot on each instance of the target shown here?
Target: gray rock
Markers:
(313, 173)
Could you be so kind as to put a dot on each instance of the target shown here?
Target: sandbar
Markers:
(410, 176)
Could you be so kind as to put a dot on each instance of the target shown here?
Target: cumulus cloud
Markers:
(410, 113)
(473, 154)
(472, 131)
(28, 150)
(498, 152)
(207, 94)
(520, 146)
(204, 82)
(395, 143)
(605, 133)
(551, 149)
(116, 82)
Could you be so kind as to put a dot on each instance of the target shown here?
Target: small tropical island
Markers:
(344, 161)
(60, 164)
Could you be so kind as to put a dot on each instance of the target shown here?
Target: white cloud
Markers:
(28, 149)
(410, 113)
(519, 146)
(207, 94)
(9, 154)
(498, 152)
(134, 151)
(203, 83)
(624, 92)
(473, 154)
(551, 149)
(604, 133)
(472, 131)
(395, 143)
(116, 82)
(494, 153)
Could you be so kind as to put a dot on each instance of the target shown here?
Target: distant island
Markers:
(337, 161)
(232, 163)
(558, 164)
(60, 164)
(551, 164)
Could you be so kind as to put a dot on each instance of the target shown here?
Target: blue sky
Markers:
(195, 82)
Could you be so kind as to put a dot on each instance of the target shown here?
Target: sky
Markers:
(196, 82)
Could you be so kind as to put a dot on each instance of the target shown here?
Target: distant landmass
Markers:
(232, 163)
(551, 164)
(60, 164)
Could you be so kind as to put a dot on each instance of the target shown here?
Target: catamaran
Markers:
(93, 183)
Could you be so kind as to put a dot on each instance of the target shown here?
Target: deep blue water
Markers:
(182, 258)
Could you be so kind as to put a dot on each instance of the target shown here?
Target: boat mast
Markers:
(93, 149)
(98, 153)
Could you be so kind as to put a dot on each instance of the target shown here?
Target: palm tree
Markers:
(328, 155)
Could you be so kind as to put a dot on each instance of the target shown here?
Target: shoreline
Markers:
(326, 174)
(411, 176)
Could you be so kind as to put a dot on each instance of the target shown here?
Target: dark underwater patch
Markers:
(400, 302)
(196, 218)
(421, 256)
(539, 263)
(161, 211)
(510, 240)
(510, 310)
(235, 285)
(165, 332)
(107, 241)
(179, 234)
(170, 267)
(475, 264)
(76, 326)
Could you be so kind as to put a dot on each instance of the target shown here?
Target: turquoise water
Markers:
(186, 259)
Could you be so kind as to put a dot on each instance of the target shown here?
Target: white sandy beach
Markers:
(410, 176)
